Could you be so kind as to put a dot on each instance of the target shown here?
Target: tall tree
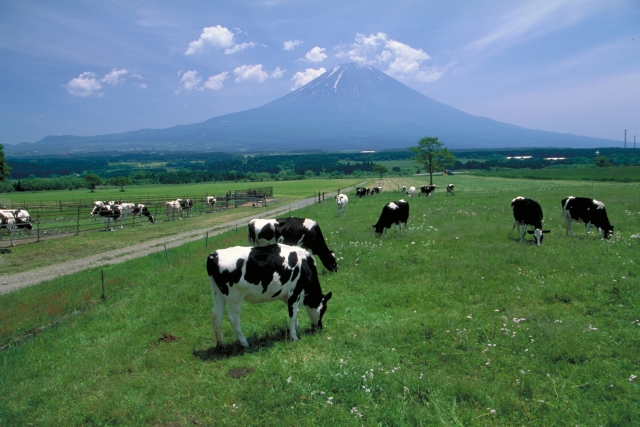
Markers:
(4, 167)
(92, 180)
(432, 154)
(121, 181)
(381, 169)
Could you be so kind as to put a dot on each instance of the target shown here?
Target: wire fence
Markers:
(72, 217)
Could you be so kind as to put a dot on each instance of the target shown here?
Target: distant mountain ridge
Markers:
(350, 107)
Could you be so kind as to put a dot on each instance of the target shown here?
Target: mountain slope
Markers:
(351, 106)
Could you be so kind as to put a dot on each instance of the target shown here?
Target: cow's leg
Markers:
(217, 314)
(293, 319)
(234, 318)
(11, 237)
(568, 226)
(587, 227)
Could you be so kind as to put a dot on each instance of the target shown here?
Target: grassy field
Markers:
(617, 174)
(64, 248)
(454, 323)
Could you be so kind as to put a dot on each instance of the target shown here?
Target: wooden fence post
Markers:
(166, 254)
(206, 240)
(38, 226)
(102, 274)
(78, 223)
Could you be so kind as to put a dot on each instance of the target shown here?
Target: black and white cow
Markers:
(341, 203)
(392, 213)
(303, 232)
(368, 191)
(211, 202)
(264, 274)
(140, 210)
(527, 212)
(186, 205)
(7, 225)
(450, 190)
(110, 213)
(376, 190)
(361, 192)
(97, 205)
(589, 211)
(427, 190)
(404, 189)
(173, 208)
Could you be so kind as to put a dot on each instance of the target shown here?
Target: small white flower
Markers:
(492, 412)
(469, 317)
(289, 380)
(522, 372)
(329, 338)
(632, 377)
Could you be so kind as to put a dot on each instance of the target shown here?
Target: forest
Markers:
(131, 168)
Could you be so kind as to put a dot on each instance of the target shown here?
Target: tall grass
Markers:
(454, 323)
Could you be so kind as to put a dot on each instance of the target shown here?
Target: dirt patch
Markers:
(240, 372)
(168, 338)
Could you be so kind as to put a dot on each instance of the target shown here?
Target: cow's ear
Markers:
(328, 296)
(530, 231)
(546, 231)
(374, 226)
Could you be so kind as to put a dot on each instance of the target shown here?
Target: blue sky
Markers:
(90, 68)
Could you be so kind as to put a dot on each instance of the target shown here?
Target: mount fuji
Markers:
(349, 107)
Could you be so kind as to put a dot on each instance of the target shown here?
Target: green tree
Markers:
(431, 153)
(602, 161)
(121, 181)
(92, 181)
(381, 169)
(4, 167)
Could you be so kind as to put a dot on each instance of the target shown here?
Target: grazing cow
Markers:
(411, 191)
(98, 204)
(368, 191)
(392, 213)
(404, 189)
(589, 211)
(141, 210)
(527, 212)
(450, 190)
(341, 202)
(427, 190)
(361, 191)
(211, 202)
(186, 205)
(303, 232)
(264, 274)
(376, 190)
(7, 224)
(110, 213)
(173, 208)
(23, 220)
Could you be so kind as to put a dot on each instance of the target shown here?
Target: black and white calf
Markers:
(361, 192)
(589, 211)
(211, 202)
(427, 190)
(404, 189)
(139, 210)
(264, 274)
(186, 205)
(341, 203)
(450, 190)
(392, 213)
(527, 212)
(303, 232)
(376, 190)
(10, 221)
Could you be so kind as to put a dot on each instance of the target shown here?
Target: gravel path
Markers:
(9, 283)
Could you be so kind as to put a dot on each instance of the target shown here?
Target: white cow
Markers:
(341, 202)
(411, 192)
(173, 208)
(211, 202)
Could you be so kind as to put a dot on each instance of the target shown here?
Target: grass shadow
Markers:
(256, 344)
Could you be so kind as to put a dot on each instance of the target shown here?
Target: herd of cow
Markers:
(280, 263)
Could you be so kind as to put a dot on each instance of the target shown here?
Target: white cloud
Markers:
(277, 73)
(291, 44)
(239, 48)
(302, 78)
(402, 61)
(316, 54)
(190, 81)
(114, 77)
(141, 85)
(218, 37)
(250, 73)
(216, 82)
(84, 85)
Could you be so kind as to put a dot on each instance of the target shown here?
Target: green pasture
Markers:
(613, 173)
(63, 247)
(454, 323)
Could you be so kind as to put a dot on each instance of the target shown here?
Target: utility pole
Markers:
(634, 142)
(625, 138)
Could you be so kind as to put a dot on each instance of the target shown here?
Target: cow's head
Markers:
(316, 314)
(539, 234)
(378, 230)
(607, 232)
(332, 262)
